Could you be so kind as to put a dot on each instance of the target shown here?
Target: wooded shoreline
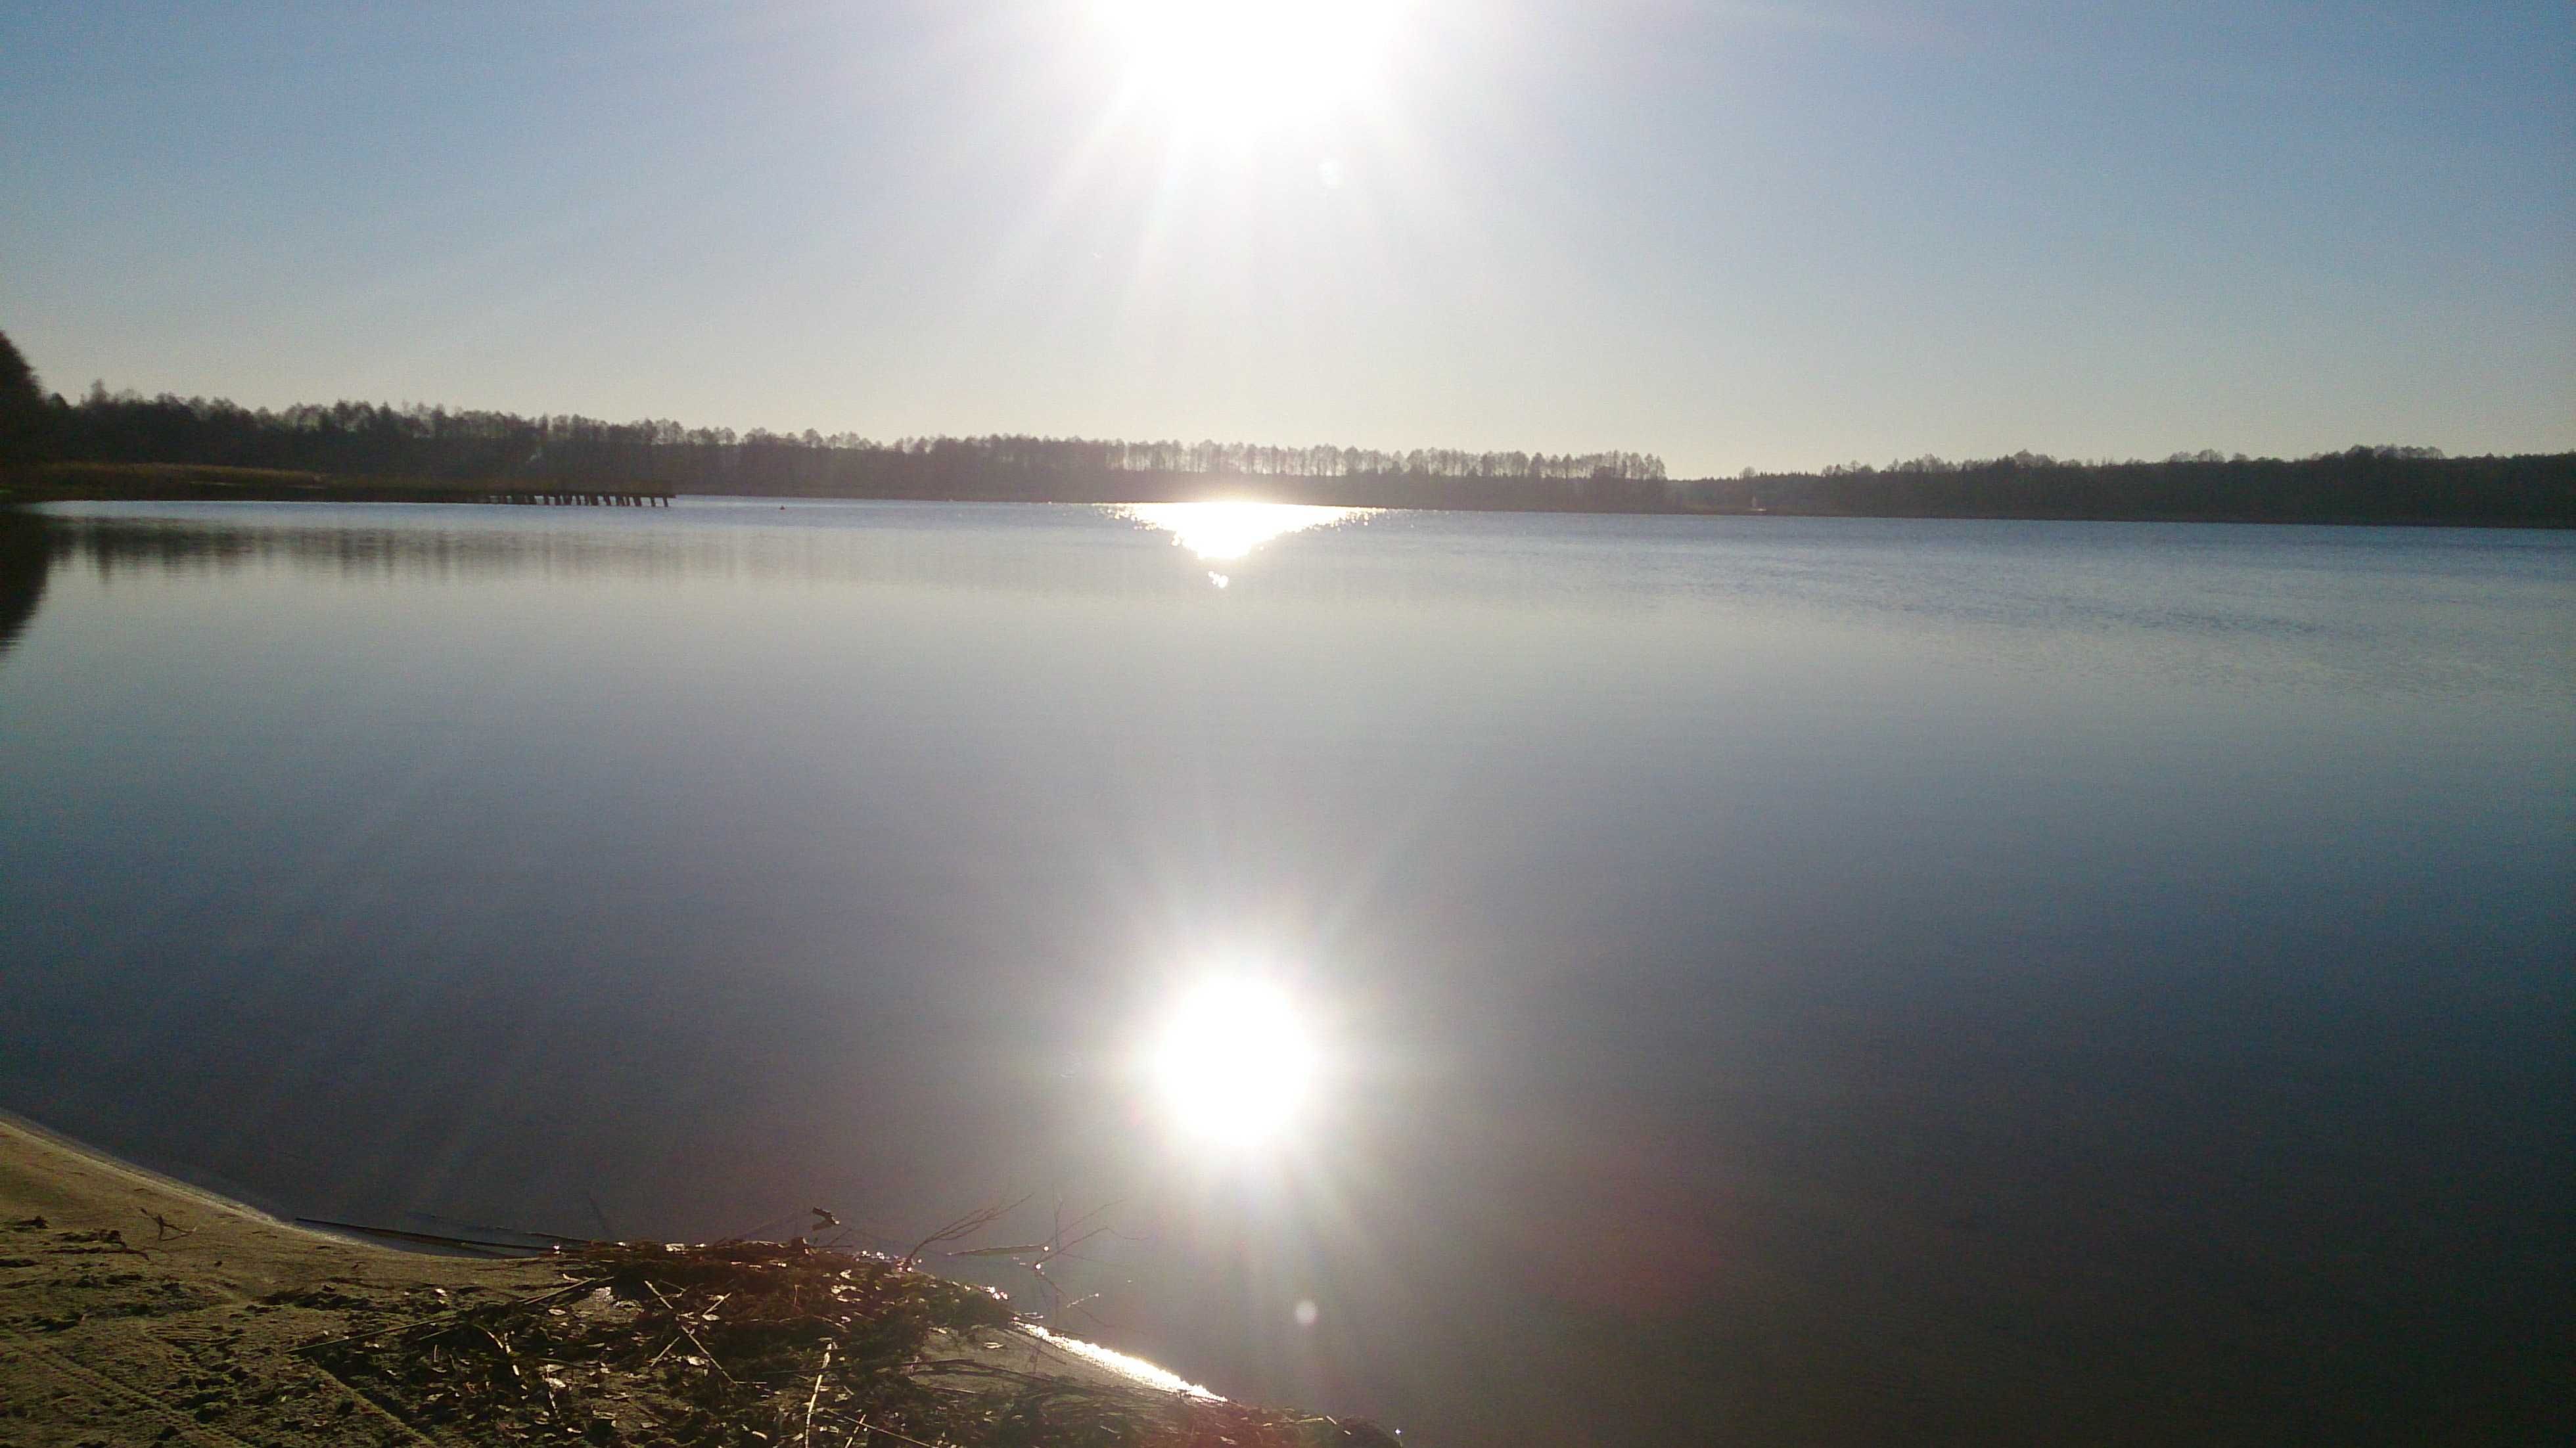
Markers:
(2340, 490)
(125, 446)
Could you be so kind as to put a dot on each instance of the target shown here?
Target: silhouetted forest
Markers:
(2360, 485)
(355, 438)
(26, 421)
(377, 442)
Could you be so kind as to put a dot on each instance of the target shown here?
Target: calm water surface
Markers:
(1787, 981)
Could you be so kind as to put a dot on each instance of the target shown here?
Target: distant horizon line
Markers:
(670, 432)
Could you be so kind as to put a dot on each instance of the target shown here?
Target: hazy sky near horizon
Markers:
(1769, 234)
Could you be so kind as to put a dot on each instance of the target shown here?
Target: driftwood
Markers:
(761, 1343)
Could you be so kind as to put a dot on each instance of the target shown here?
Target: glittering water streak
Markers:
(1221, 532)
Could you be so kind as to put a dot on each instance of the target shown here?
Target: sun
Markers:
(1234, 1064)
(1247, 66)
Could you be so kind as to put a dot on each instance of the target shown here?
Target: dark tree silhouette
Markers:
(357, 438)
(23, 415)
(2384, 484)
(445, 449)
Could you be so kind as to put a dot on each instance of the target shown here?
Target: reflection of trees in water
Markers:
(1618, 565)
(179, 546)
(886, 551)
(439, 551)
(1079, 549)
(25, 556)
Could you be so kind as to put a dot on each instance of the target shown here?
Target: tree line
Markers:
(379, 440)
(2381, 484)
(2388, 484)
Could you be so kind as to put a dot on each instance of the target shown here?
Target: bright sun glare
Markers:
(1249, 65)
(1234, 1063)
(1221, 532)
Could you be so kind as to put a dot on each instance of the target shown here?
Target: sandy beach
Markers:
(135, 1309)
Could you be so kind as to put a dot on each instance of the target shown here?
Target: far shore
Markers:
(2333, 491)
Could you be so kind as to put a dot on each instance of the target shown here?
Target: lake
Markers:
(1771, 981)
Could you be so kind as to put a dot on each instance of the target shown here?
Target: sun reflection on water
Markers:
(1134, 1369)
(1222, 532)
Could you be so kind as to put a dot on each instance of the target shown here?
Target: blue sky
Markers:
(1734, 234)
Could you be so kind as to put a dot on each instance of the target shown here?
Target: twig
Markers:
(965, 1226)
(867, 1427)
(162, 1226)
(816, 1396)
(418, 1323)
(682, 1324)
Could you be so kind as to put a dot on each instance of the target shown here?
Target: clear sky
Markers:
(1770, 234)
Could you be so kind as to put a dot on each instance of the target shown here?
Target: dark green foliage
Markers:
(24, 418)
